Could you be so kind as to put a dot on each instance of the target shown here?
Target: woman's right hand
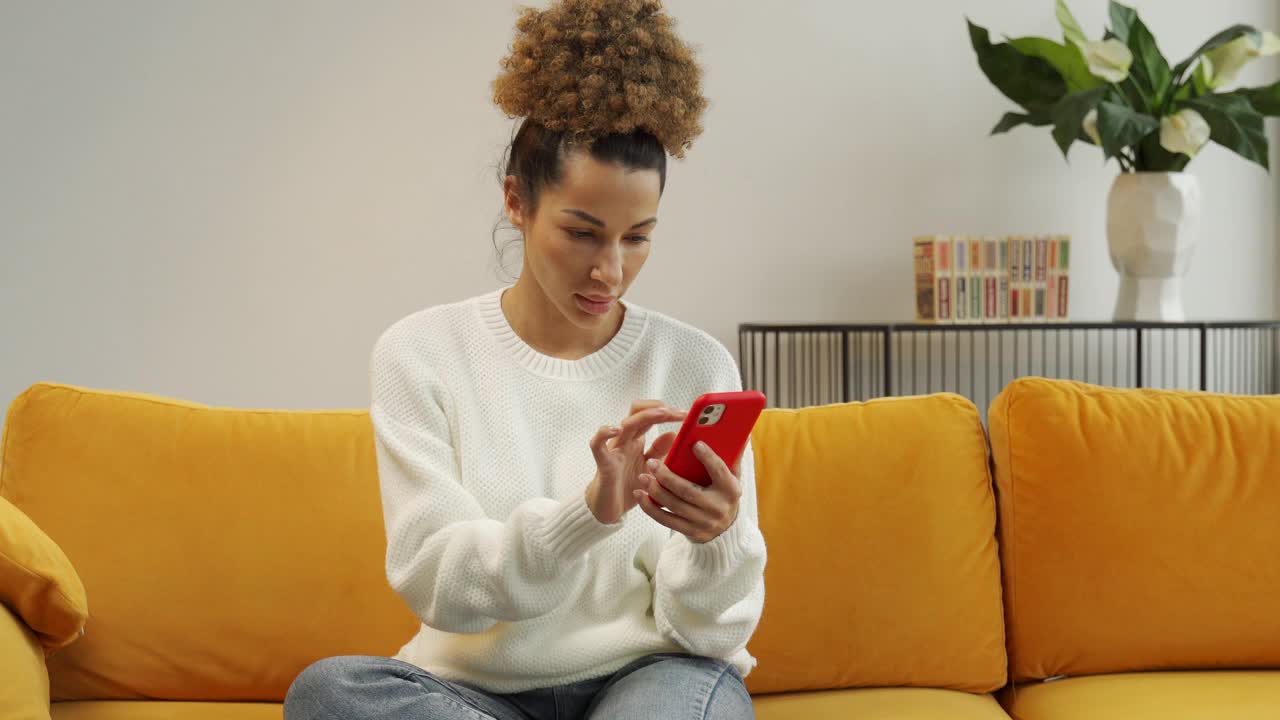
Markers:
(620, 458)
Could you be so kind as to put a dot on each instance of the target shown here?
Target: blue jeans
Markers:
(664, 686)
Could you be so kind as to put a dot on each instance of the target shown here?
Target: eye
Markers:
(639, 239)
(581, 234)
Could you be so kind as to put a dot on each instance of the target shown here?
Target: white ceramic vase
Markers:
(1153, 219)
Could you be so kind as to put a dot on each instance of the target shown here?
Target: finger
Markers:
(661, 446)
(721, 476)
(640, 405)
(686, 490)
(598, 441)
(639, 424)
(663, 517)
(671, 501)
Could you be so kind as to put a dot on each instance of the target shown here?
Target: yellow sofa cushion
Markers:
(224, 549)
(1140, 529)
(879, 704)
(883, 568)
(1153, 696)
(37, 580)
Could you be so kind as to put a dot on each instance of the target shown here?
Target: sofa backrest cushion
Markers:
(222, 550)
(1140, 529)
(883, 568)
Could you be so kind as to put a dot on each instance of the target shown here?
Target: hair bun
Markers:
(591, 68)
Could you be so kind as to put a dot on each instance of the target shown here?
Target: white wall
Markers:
(228, 201)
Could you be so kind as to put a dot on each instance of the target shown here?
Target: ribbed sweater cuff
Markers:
(726, 553)
(572, 529)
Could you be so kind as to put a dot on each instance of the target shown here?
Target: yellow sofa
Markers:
(166, 559)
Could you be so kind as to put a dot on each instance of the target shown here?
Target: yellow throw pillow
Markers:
(37, 581)
(883, 567)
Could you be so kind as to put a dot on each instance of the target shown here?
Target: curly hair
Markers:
(585, 69)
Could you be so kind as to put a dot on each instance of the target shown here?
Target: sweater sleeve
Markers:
(457, 569)
(708, 597)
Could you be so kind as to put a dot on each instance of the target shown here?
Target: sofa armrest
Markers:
(24, 692)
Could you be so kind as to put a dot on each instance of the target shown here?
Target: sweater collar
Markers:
(601, 361)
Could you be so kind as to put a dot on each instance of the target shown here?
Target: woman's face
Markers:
(589, 236)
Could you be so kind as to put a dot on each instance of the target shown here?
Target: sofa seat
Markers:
(878, 704)
(1220, 695)
(165, 710)
(868, 704)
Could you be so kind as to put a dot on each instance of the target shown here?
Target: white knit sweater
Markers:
(483, 458)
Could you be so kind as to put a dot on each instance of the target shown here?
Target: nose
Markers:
(608, 266)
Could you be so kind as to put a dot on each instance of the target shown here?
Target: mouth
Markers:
(595, 304)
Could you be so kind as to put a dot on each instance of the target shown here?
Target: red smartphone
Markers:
(721, 420)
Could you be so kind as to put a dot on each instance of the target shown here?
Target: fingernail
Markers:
(700, 446)
(652, 465)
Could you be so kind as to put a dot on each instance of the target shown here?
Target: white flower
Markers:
(1090, 126)
(1184, 132)
(1224, 62)
(1108, 59)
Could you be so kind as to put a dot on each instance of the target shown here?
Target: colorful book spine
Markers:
(925, 269)
(1003, 314)
(1015, 280)
(1028, 281)
(1051, 282)
(942, 279)
(1040, 278)
(961, 282)
(990, 280)
(976, 284)
(1064, 275)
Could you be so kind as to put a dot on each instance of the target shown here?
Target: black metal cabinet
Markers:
(800, 365)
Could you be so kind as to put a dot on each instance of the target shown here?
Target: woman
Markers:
(510, 497)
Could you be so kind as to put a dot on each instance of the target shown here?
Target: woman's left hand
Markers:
(699, 513)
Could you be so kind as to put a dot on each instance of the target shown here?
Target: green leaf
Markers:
(1234, 124)
(1199, 84)
(1152, 157)
(1068, 115)
(1266, 100)
(1131, 93)
(1184, 91)
(1068, 60)
(1013, 120)
(1029, 81)
(1150, 70)
(1122, 19)
(1071, 30)
(1218, 40)
(1120, 127)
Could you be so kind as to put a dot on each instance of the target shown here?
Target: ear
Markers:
(512, 202)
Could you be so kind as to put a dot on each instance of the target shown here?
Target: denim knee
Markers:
(323, 684)
(730, 698)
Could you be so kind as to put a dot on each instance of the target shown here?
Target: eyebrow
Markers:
(600, 223)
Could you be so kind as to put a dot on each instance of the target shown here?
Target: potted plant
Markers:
(1121, 94)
